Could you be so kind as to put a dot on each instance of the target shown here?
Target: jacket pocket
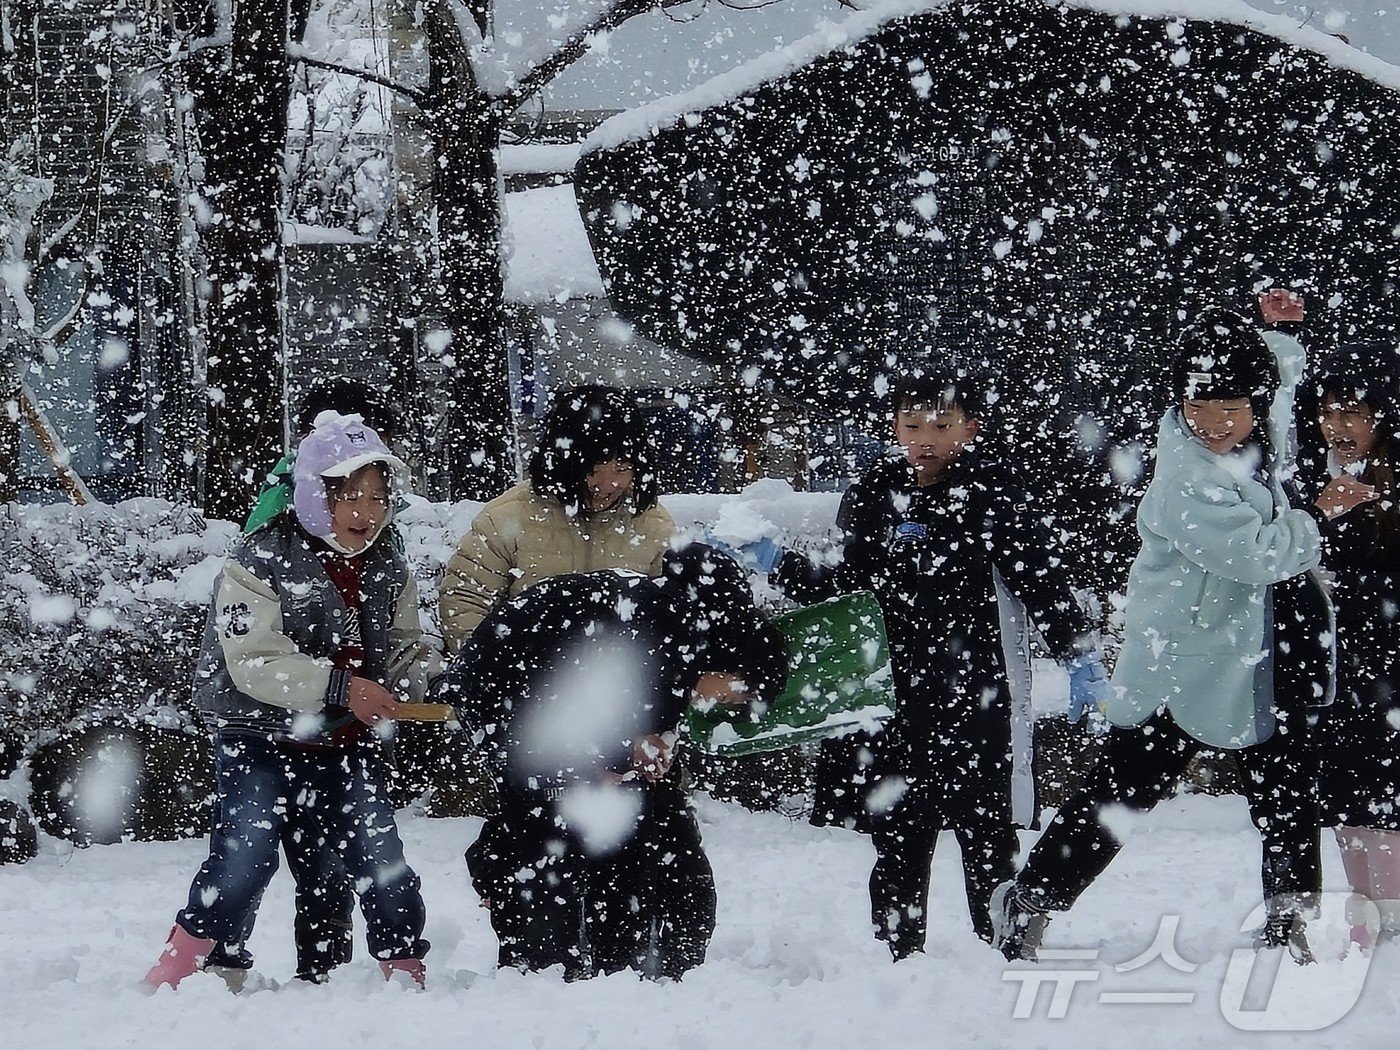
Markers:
(1229, 617)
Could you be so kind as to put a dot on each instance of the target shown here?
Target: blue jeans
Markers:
(344, 797)
(325, 903)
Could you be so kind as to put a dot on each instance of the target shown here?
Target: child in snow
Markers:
(962, 568)
(576, 688)
(323, 927)
(589, 503)
(1355, 399)
(312, 632)
(1197, 669)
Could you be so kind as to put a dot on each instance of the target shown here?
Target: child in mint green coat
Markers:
(1198, 664)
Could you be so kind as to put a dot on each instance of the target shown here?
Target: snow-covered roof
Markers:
(294, 233)
(548, 257)
(538, 158)
(654, 116)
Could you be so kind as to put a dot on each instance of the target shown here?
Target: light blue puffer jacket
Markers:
(1198, 627)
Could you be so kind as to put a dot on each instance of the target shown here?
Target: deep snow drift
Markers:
(792, 963)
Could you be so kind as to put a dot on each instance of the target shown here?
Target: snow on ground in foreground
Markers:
(791, 965)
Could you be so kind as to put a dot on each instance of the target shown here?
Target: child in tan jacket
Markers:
(589, 504)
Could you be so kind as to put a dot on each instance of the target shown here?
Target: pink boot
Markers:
(1364, 919)
(184, 954)
(414, 968)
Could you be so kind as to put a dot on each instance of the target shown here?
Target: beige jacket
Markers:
(519, 539)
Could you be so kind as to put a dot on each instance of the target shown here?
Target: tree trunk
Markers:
(476, 434)
(242, 124)
(17, 115)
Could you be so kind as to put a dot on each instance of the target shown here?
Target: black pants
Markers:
(904, 842)
(1141, 766)
(649, 905)
(325, 903)
(846, 770)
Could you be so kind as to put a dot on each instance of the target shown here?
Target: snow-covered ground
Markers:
(791, 965)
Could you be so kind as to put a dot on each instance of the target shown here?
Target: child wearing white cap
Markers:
(312, 637)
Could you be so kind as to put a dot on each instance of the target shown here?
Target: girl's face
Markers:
(1348, 427)
(359, 507)
(1222, 426)
(608, 484)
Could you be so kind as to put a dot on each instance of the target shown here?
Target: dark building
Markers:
(1041, 189)
(118, 388)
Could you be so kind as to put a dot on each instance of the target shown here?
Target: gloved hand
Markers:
(1088, 685)
(761, 555)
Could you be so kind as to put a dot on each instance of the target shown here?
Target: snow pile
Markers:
(1152, 956)
(101, 609)
(767, 508)
(103, 605)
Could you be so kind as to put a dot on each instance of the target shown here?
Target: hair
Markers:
(714, 595)
(585, 427)
(940, 387)
(348, 397)
(336, 485)
(1223, 357)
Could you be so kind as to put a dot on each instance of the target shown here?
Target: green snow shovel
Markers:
(839, 680)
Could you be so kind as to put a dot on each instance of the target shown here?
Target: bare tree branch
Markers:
(573, 48)
(88, 216)
(418, 98)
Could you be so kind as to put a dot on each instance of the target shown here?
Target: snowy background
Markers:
(793, 963)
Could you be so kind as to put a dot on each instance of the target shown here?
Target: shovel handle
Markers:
(425, 713)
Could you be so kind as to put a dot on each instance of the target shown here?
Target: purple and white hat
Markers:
(336, 448)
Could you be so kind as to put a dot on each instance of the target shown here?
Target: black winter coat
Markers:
(1359, 736)
(931, 555)
(559, 683)
(562, 680)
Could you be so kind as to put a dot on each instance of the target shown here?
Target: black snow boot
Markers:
(1286, 929)
(1017, 927)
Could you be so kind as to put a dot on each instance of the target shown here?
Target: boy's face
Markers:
(932, 438)
(1222, 426)
(608, 484)
(359, 507)
(1349, 428)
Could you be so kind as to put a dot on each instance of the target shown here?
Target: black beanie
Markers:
(1221, 357)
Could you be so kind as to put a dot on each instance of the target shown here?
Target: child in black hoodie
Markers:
(963, 569)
